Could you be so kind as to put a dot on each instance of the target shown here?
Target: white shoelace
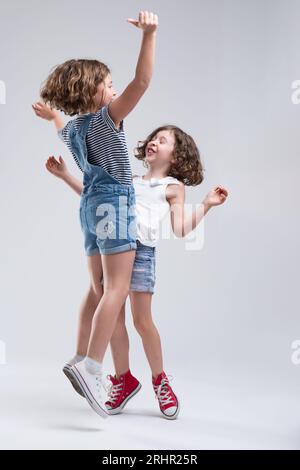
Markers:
(114, 391)
(100, 383)
(163, 394)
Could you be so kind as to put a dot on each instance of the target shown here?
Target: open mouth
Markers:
(150, 151)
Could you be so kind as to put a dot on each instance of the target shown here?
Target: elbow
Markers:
(179, 233)
(142, 82)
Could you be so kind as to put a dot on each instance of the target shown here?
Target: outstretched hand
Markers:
(147, 21)
(44, 111)
(216, 196)
(58, 168)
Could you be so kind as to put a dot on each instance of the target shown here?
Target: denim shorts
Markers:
(107, 219)
(143, 272)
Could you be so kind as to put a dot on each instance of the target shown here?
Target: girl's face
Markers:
(105, 92)
(160, 148)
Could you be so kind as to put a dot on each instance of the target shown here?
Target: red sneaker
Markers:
(120, 391)
(168, 402)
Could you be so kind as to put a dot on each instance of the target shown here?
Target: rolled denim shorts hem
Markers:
(118, 249)
(92, 252)
(142, 290)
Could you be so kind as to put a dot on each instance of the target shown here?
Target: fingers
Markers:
(38, 105)
(141, 17)
(40, 109)
(52, 163)
(36, 109)
(48, 165)
(221, 189)
(132, 21)
(146, 18)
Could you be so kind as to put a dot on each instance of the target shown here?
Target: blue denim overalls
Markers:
(107, 207)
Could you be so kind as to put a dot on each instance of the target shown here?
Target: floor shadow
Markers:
(73, 427)
(142, 413)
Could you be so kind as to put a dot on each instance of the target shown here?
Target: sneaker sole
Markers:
(66, 371)
(115, 411)
(174, 416)
(80, 382)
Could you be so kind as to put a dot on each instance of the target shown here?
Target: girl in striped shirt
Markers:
(97, 141)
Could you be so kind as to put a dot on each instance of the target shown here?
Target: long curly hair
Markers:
(187, 167)
(70, 87)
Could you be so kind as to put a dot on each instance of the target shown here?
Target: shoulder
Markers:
(136, 179)
(175, 190)
(103, 116)
(64, 131)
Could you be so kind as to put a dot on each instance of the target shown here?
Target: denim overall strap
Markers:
(78, 140)
(84, 125)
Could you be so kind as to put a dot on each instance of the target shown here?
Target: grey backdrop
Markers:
(224, 72)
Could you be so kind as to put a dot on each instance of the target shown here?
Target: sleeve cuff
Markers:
(60, 134)
(110, 122)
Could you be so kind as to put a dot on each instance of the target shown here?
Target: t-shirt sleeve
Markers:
(60, 134)
(102, 117)
(63, 134)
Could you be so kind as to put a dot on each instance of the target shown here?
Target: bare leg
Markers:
(119, 342)
(142, 318)
(89, 304)
(117, 271)
(119, 345)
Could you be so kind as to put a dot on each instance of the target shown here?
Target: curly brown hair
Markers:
(187, 167)
(70, 87)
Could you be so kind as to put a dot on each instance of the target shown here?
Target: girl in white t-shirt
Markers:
(173, 161)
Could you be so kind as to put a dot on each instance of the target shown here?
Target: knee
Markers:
(143, 326)
(95, 293)
(117, 292)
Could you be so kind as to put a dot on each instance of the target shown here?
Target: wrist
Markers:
(65, 176)
(53, 118)
(150, 33)
(206, 206)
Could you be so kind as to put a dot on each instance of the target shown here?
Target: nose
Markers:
(152, 144)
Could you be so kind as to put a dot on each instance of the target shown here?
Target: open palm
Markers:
(56, 167)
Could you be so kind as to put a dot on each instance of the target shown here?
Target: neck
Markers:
(156, 172)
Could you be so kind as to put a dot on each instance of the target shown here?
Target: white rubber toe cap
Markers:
(170, 411)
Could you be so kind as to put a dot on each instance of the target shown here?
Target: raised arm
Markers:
(60, 170)
(183, 224)
(124, 104)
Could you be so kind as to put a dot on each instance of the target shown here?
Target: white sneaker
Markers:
(66, 370)
(92, 386)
